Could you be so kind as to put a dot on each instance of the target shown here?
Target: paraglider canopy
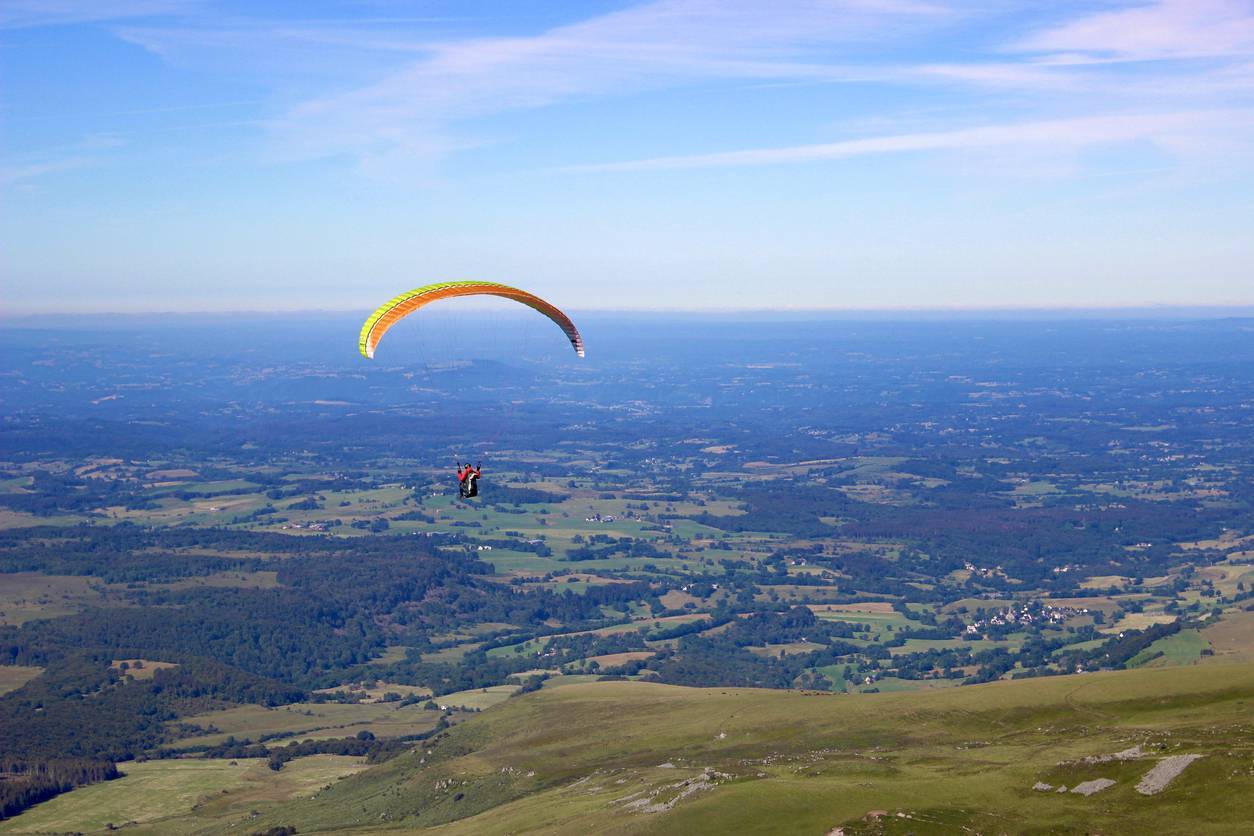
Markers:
(397, 308)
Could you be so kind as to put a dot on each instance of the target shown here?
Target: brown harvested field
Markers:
(25, 596)
(1139, 621)
(13, 677)
(1226, 576)
(1232, 637)
(1228, 540)
(611, 660)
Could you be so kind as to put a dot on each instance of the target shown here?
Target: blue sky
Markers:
(677, 154)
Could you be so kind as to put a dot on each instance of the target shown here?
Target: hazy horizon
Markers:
(886, 314)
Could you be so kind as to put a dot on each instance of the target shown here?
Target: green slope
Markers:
(590, 759)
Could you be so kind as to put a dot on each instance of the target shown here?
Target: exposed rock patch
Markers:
(1094, 786)
(1167, 770)
(1126, 755)
(650, 803)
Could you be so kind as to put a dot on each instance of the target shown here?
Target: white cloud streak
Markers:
(24, 14)
(1168, 29)
(1056, 135)
(405, 118)
(660, 44)
(14, 174)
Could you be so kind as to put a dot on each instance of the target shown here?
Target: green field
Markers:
(25, 596)
(312, 721)
(922, 645)
(1182, 648)
(13, 677)
(478, 698)
(172, 796)
(881, 625)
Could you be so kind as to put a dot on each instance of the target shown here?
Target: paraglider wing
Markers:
(396, 309)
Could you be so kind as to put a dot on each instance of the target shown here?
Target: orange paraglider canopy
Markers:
(399, 307)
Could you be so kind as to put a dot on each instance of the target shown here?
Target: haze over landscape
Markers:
(862, 393)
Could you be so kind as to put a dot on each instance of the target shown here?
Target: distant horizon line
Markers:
(941, 312)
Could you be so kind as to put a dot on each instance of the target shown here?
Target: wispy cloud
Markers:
(659, 44)
(403, 90)
(1168, 29)
(1056, 135)
(20, 14)
(23, 172)
(87, 151)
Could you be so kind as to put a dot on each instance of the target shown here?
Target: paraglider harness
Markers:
(468, 480)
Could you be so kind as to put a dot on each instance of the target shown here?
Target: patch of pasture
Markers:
(786, 649)
(1103, 603)
(691, 530)
(13, 677)
(480, 698)
(175, 796)
(262, 579)
(613, 660)
(26, 596)
(893, 684)
(506, 561)
(391, 654)
(21, 519)
(676, 598)
(797, 593)
(1081, 646)
(879, 607)
(973, 604)
(531, 647)
(455, 653)
(570, 679)
(251, 722)
(16, 484)
(140, 669)
(1182, 648)
(377, 691)
(924, 645)
(880, 625)
(1232, 637)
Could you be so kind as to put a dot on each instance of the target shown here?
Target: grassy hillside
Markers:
(180, 796)
(626, 757)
